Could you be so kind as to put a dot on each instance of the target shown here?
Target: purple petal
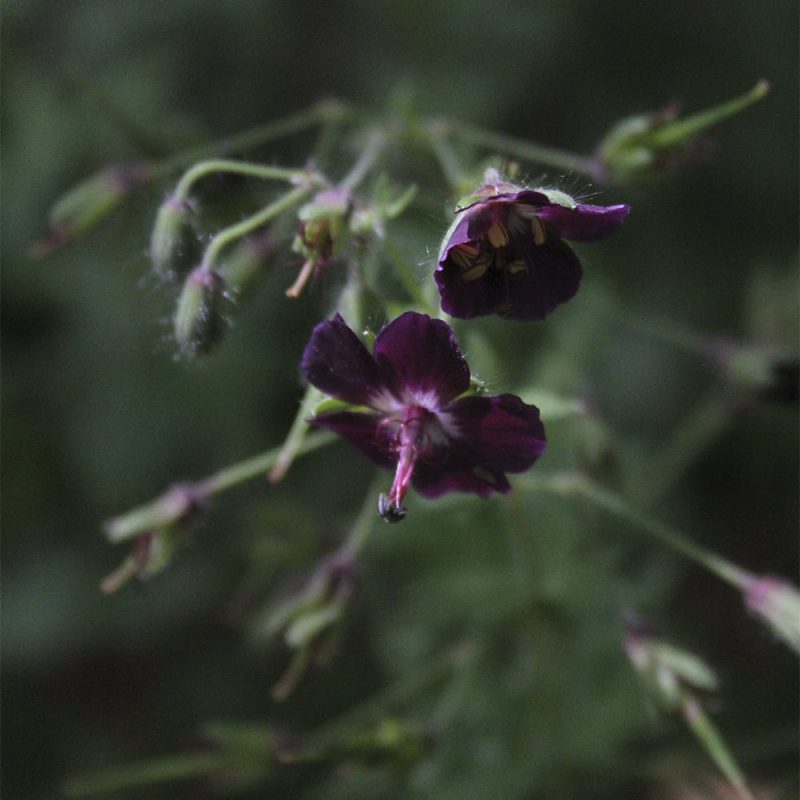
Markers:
(583, 223)
(435, 480)
(526, 196)
(364, 431)
(419, 356)
(336, 362)
(502, 433)
(553, 277)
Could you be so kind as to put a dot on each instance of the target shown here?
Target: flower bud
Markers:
(322, 232)
(307, 621)
(174, 244)
(177, 505)
(157, 530)
(151, 554)
(777, 603)
(84, 205)
(762, 371)
(199, 322)
(643, 146)
(668, 671)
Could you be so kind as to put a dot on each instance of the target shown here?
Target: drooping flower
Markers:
(413, 412)
(322, 232)
(505, 251)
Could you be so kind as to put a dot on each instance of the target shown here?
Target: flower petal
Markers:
(552, 277)
(435, 480)
(495, 435)
(420, 361)
(336, 362)
(365, 431)
(502, 433)
(583, 223)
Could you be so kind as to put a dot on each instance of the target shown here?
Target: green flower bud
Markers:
(86, 204)
(767, 373)
(669, 673)
(322, 233)
(157, 530)
(308, 621)
(199, 322)
(174, 244)
(645, 145)
(776, 602)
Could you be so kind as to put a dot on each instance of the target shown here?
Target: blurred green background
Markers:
(99, 416)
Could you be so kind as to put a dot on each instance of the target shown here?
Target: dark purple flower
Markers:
(412, 414)
(505, 252)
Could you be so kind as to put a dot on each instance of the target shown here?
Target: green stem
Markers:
(573, 484)
(259, 465)
(436, 138)
(163, 770)
(375, 143)
(166, 509)
(203, 168)
(320, 113)
(677, 132)
(666, 330)
(522, 148)
(297, 434)
(713, 743)
(234, 232)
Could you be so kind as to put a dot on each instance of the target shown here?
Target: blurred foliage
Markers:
(493, 626)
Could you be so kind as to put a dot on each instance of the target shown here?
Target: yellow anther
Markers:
(474, 272)
(461, 259)
(517, 266)
(539, 231)
(497, 235)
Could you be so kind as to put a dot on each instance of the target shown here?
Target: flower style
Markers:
(505, 252)
(413, 414)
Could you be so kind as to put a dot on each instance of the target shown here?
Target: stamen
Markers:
(465, 255)
(474, 272)
(517, 266)
(539, 231)
(302, 279)
(497, 235)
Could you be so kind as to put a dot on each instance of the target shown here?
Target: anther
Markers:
(497, 235)
(539, 231)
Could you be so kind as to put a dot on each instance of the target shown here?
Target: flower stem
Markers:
(234, 232)
(679, 131)
(260, 464)
(707, 734)
(203, 168)
(575, 484)
(325, 112)
(163, 770)
(296, 436)
(522, 148)
(375, 143)
(436, 134)
(159, 512)
(677, 335)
